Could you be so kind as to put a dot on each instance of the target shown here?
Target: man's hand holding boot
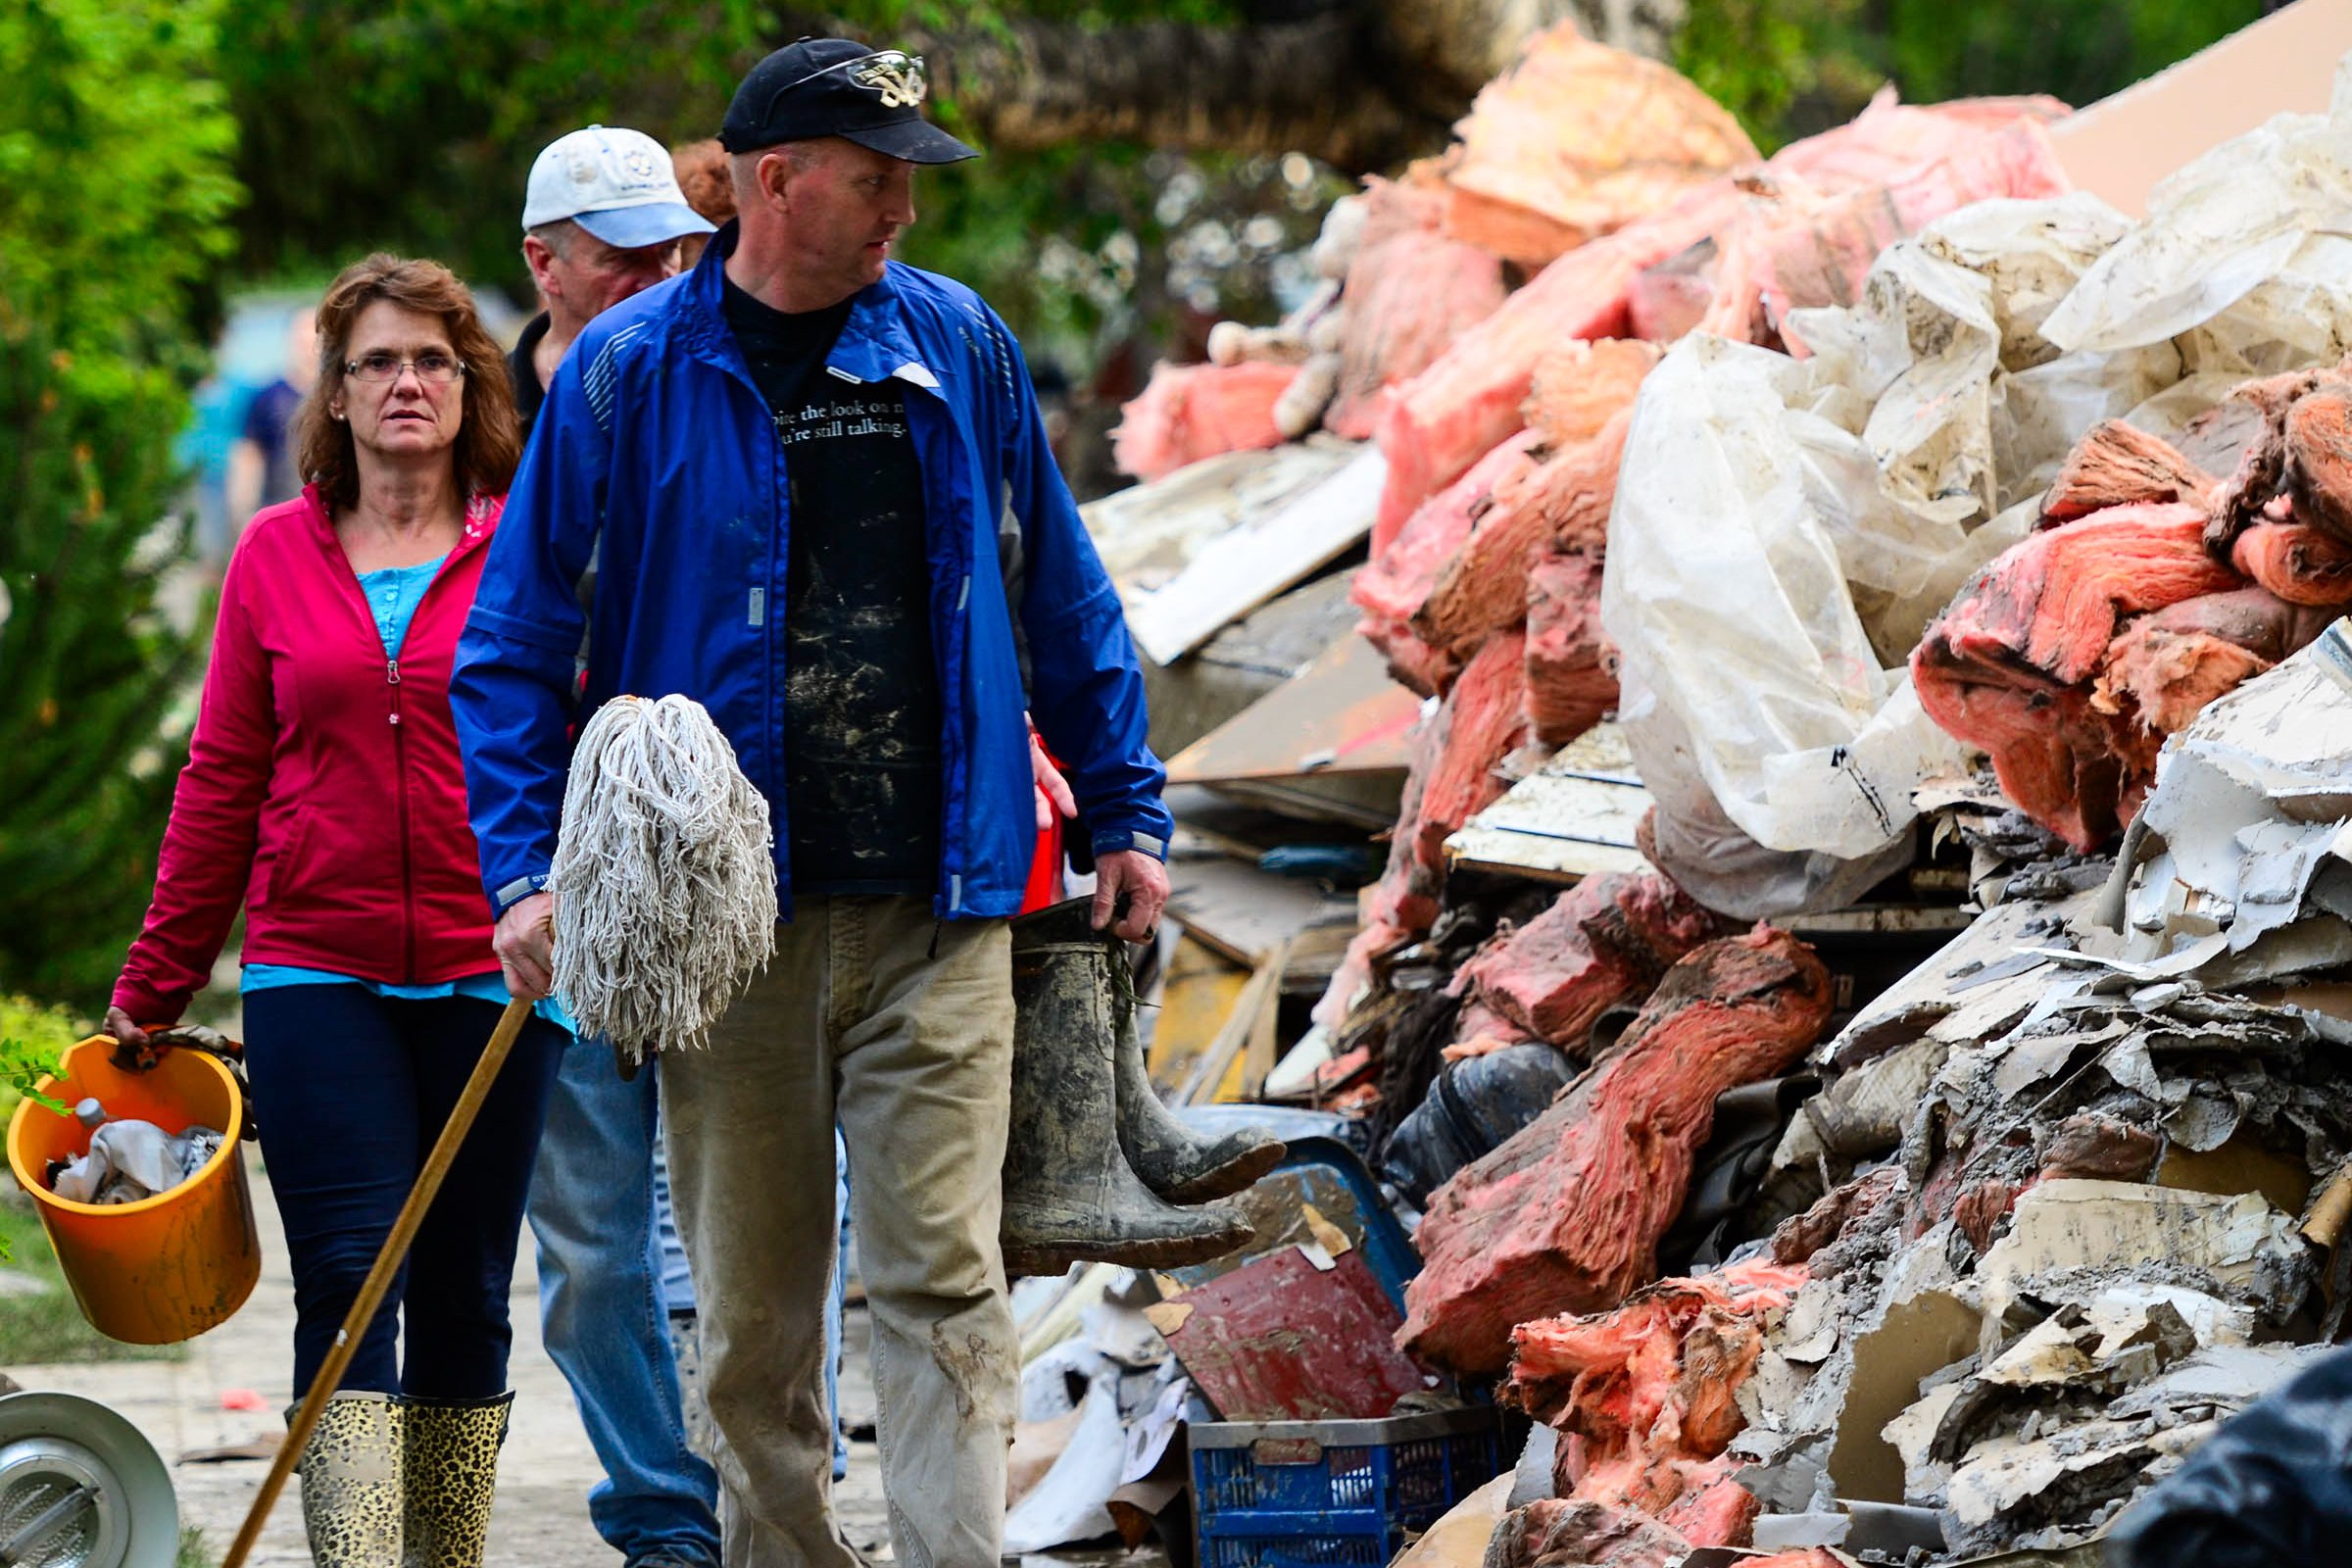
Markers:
(1138, 878)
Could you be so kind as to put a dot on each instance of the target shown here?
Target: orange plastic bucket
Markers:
(164, 1268)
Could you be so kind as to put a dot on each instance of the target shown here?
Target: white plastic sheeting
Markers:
(1784, 529)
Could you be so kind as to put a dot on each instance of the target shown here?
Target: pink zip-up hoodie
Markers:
(324, 790)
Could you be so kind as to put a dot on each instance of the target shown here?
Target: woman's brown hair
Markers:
(488, 444)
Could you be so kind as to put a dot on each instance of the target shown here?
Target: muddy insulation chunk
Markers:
(1566, 1216)
(2118, 464)
(1603, 943)
(2009, 666)
(1556, 1533)
(1645, 1395)
(1571, 664)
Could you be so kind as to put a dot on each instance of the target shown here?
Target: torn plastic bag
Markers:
(1470, 1109)
(1729, 1170)
(2249, 219)
(1737, 510)
(2274, 1486)
(1691, 838)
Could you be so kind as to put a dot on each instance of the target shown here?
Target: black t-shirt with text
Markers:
(862, 715)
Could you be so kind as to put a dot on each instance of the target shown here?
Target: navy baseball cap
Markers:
(834, 87)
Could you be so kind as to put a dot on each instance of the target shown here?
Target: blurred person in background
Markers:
(262, 470)
(709, 187)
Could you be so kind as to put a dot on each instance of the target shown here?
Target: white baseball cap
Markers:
(616, 184)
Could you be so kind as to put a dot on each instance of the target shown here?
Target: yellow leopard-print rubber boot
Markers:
(352, 1472)
(452, 1474)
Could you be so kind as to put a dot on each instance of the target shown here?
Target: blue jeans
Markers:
(350, 1089)
(605, 1318)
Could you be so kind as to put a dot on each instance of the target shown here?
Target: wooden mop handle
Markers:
(380, 1278)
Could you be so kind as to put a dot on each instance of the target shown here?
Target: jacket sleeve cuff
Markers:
(146, 1006)
(1110, 839)
(509, 893)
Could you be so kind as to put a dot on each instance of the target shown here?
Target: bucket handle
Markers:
(230, 1053)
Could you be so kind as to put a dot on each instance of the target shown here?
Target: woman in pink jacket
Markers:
(324, 794)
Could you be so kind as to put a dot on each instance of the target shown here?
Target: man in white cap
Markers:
(601, 221)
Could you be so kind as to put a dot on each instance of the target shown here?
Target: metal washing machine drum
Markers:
(79, 1488)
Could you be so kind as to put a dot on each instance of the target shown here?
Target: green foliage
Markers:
(1789, 67)
(114, 195)
(432, 111)
(24, 1064)
(411, 124)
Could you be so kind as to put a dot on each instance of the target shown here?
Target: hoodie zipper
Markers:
(400, 750)
(400, 786)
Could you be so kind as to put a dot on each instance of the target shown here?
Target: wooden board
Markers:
(1574, 817)
(1245, 913)
(1283, 1339)
(2121, 147)
(1198, 997)
(1245, 1041)
(1341, 715)
(1268, 551)
(1147, 534)
(1245, 661)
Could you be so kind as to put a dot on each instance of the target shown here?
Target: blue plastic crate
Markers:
(1331, 1493)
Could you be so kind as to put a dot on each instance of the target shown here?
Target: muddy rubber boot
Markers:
(452, 1476)
(350, 1482)
(1070, 1196)
(1172, 1159)
(1174, 1162)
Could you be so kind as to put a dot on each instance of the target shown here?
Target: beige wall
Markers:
(2121, 146)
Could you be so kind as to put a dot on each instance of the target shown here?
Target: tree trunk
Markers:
(1362, 86)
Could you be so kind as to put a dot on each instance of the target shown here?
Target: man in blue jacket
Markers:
(794, 470)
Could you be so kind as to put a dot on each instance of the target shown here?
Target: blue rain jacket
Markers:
(655, 463)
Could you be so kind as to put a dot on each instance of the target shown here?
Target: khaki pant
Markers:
(857, 1022)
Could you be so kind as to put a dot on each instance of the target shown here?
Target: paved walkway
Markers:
(544, 1472)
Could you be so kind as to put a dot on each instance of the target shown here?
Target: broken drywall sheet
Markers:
(2069, 1226)
(2248, 813)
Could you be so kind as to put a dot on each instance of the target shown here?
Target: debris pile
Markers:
(1567, 1215)
(1777, 610)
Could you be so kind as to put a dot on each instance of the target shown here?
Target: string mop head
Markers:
(663, 880)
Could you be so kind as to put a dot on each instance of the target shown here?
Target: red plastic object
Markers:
(1282, 1340)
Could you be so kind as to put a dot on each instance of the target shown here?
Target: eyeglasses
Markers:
(894, 74)
(433, 368)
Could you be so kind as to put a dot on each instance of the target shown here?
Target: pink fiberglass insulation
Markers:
(1410, 292)
(1574, 141)
(1481, 721)
(1564, 497)
(2116, 464)
(1566, 1215)
(1814, 250)
(1406, 569)
(1440, 422)
(1571, 664)
(1645, 1393)
(1451, 778)
(2299, 563)
(2008, 666)
(1435, 425)
(1189, 412)
(1604, 943)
